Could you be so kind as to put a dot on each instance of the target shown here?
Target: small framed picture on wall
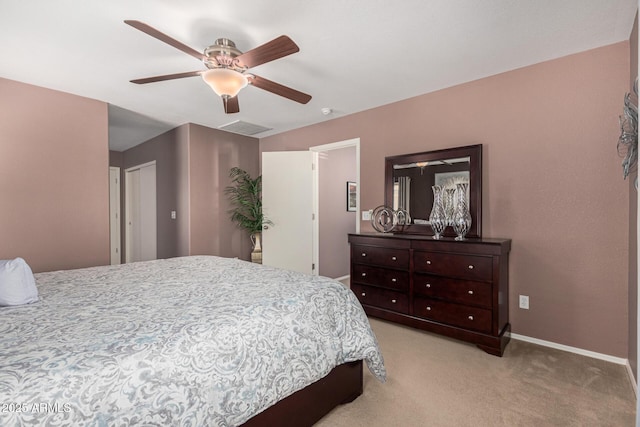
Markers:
(352, 190)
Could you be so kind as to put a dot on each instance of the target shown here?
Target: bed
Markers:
(193, 341)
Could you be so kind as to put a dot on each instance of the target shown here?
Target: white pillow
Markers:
(17, 284)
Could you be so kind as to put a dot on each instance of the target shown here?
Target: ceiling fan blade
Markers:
(231, 105)
(167, 77)
(165, 38)
(279, 89)
(276, 48)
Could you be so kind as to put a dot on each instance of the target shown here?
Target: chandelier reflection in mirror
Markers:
(628, 141)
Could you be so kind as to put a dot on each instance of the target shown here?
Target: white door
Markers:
(114, 214)
(140, 187)
(287, 183)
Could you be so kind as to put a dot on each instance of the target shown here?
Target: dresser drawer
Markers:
(383, 298)
(454, 265)
(386, 257)
(388, 278)
(454, 290)
(464, 316)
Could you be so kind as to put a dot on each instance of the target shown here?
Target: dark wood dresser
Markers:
(455, 288)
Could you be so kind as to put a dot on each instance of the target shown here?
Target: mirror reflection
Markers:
(412, 184)
(409, 179)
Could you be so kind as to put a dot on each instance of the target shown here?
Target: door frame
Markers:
(355, 142)
(115, 216)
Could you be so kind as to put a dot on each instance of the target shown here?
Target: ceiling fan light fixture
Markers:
(226, 66)
(225, 81)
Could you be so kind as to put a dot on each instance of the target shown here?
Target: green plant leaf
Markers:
(245, 196)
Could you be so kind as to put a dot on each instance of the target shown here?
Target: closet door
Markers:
(141, 218)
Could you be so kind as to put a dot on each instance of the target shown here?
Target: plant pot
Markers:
(256, 253)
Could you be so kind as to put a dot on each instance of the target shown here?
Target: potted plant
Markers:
(245, 195)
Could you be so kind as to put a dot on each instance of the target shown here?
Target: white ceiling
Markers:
(354, 54)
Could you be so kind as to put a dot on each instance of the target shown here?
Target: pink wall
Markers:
(336, 167)
(54, 178)
(212, 153)
(552, 182)
(163, 150)
(633, 228)
(192, 168)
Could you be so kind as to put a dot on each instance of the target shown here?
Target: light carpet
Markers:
(437, 381)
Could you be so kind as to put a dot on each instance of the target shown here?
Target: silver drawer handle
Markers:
(363, 254)
(394, 258)
(470, 292)
(364, 274)
(471, 267)
(364, 294)
(393, 301)
(428, 285)
(470, 317)
(428, 308)
(428, 262)
(394, 280)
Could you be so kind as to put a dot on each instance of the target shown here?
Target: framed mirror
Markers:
(409, 178)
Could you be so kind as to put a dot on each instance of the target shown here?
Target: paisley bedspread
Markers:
(191, 341)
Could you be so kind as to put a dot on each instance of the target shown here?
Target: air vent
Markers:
(243, 128)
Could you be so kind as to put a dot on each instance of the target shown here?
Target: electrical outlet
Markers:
(366, 215)
(524, 302)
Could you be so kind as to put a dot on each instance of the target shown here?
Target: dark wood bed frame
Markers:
(305, 407)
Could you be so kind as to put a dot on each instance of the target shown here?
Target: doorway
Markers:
(140, 213)
(331, 250)
(292, 214)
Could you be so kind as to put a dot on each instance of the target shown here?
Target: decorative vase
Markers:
(256, 253)
(402, 218)
(437, 218)
(449, 204)
(461, 216)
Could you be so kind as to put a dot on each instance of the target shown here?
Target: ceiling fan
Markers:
(227, 66)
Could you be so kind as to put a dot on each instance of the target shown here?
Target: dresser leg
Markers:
(501, 342)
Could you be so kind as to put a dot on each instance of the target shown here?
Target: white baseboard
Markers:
(340, 279)
(634, 383)
(588, 353)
